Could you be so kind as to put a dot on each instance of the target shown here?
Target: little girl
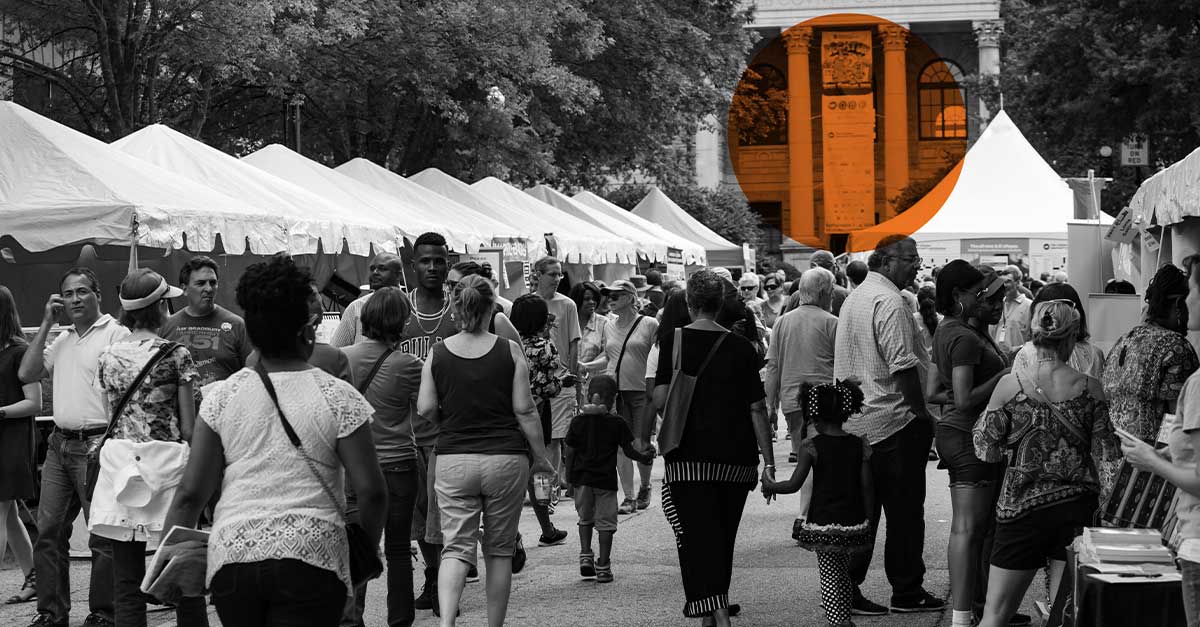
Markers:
(837, 524)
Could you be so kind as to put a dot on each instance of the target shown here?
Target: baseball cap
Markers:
(144, 287)
(618, 286)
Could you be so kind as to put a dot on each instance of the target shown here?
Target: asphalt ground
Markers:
(775, 581)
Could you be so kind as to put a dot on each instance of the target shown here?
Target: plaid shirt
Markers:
(877, 338)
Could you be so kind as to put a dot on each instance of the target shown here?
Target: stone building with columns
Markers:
(877, 105)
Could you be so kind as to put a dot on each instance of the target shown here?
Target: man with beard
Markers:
(215, 336)
(80, 419)
(877, 344)
(386, 270)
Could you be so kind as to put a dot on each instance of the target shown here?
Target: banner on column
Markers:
(848, 150)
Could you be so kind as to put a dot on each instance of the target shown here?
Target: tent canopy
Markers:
(59, 187)
(410, 220)
(578, 241)
(1003, 189)
(693, 253)
(457, 217)
(1169, 195)
(308, 218)
(660, 209)
(454, 189)
(648, 245)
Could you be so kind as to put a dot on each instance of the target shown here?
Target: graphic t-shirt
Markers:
(218, 342)
(421, 332)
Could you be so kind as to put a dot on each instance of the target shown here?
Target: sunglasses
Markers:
(748, 288)
(1062, 301)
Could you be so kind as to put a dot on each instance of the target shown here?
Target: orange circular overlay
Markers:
(845, 129)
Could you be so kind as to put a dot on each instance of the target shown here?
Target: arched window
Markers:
(759, 111)
(941, 107)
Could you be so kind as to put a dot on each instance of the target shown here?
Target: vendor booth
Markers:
(1007, 206)
(658, 208)
(650, 248)
(691, 253)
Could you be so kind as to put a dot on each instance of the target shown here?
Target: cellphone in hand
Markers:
(1125, 434)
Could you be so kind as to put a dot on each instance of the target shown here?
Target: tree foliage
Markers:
(1080, 74)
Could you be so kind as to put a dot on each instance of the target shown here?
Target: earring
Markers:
(961, 308)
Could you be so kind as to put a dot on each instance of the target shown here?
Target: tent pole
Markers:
(133, 243)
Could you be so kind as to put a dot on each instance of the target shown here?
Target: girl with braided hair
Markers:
(837, 523)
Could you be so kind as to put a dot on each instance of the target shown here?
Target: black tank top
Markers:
(475, 402)
(837, 481)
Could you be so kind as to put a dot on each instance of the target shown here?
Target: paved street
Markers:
(775, 581)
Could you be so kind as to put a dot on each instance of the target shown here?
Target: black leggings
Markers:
(705, 516)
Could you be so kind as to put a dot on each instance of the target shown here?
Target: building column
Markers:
(802, 215)
(895, 113)
(987, 33)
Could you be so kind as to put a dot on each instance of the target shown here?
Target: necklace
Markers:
(418, 315)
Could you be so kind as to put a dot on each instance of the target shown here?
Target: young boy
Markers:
(594, 437)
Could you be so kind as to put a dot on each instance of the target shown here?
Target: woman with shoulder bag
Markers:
(148, 382)
(714, 427)
(282, 436)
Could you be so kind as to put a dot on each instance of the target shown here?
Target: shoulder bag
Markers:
(93, 456)
(621, 356)
(362, 387)
(365, 563)
(679, 395)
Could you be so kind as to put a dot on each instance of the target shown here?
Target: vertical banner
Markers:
(848, 131)
(675, 263)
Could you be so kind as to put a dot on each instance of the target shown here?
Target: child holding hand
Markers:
(838, 524)
(594, 437)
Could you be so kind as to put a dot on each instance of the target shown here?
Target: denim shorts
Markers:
(1027, 542)
(471, 487)
(956, 453)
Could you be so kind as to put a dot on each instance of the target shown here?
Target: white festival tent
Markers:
(657, 207)
(1006, 201)
(310, 220)
(457, 216)
(649, 246)
(67, 199)
(578, 242)
(445, 185)
(693, 253)
(343, 190)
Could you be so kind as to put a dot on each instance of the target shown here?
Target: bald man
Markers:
(386, 271)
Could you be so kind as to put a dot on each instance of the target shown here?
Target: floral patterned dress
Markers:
(153, 411)
(543, 363)
(1143, 374)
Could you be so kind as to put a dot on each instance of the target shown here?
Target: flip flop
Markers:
(28, 587)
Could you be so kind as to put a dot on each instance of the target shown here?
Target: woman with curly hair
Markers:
(1146, 368)
(272, 489)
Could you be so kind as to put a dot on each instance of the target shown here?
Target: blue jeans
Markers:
(1191, 592)
(402, 480)
(279, 593)
(129, 568)
(63, 478)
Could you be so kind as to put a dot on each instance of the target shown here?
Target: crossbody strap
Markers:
(1054, 411)
(362, 387)
(162, 352)
(295, 439)
(676, 351)
(621, 356)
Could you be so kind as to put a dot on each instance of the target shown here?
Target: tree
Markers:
(1080, 74)
(123, 64)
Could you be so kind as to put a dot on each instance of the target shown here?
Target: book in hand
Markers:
(178, 566)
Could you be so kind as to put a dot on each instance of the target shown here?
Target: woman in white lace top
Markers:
(278, 547)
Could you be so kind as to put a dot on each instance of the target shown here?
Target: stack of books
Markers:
(1106, 545)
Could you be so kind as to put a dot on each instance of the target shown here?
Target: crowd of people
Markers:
(434, 413)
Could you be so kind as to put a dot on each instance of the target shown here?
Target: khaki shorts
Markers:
(596, 508)
(426, 523)
(562, 410)
(470, 487)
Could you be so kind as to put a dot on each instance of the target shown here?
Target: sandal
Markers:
(28, 590)
(587, 565)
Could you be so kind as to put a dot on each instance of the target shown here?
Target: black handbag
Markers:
(365, 563)
(93, 456)
(679, 395)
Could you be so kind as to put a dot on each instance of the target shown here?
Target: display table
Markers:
(1087, 598)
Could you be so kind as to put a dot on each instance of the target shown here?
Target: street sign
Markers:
(1135, 151)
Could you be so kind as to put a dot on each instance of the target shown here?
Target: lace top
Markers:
(1050, 461)
(271, 505)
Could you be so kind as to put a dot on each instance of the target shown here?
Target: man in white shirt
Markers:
(386, 270)
(1013, 331)
(547, 274)
(80, 419)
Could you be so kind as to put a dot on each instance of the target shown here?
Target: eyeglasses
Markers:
(914, 259)
(557, 275)
(772, 287)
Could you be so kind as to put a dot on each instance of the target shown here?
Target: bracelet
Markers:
(771, 466)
